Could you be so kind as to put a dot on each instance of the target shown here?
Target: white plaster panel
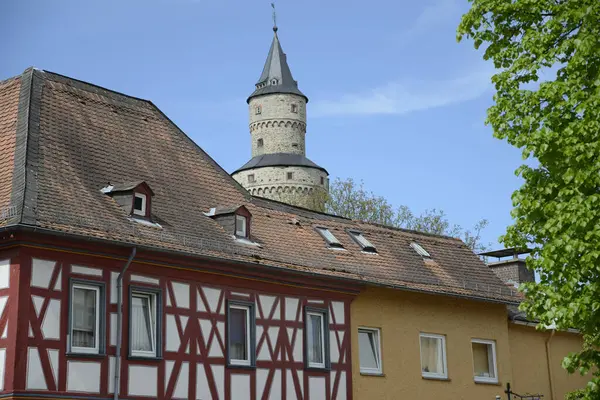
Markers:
(300, 374)
(181, 386)
(261, 380)
(183, 319)
(113, 287)
(144, 279)
(76, 269)
(212, 296)
(37, 304)
(205, 328)
(202, 388)
(58, 283)
(182, 294)
(316, 388)
(30, 330)
(5, 274)
(221, 330)
(41, 272)
(168, 295)
(334, 352)
(290, 392)
(266, 303)
(53, 356)
(240, 294)
(143, 380)
(298, 357)
(291, 308)
(275, 393)
(111, 374)
(277, 313)
(173, 341)
(3, 300)
(199, 302)
(2, 367)
(273, 332)
(5, 333)
(240, 387)
(341, 336)
(219, 376)
(113, 329)
(263, 353)
(83, 376)
(51, 323)
(341, 393)
(338, 311)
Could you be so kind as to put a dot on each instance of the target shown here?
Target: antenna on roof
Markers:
(274, 18)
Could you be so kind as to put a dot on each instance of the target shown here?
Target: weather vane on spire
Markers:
(274, 17)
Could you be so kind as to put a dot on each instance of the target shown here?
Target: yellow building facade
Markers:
(404, 323)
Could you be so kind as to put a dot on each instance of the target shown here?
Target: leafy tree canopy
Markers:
(351, 200)
(556, 123)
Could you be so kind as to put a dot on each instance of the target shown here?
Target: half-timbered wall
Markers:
(193, 364)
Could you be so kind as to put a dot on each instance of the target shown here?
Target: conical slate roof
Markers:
(276, 76)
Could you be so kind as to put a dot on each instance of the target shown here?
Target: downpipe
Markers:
(117, 376)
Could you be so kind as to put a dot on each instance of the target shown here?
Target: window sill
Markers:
(144, 358)
(241, 366)
(85, 355)
(493, 383)
(317, 369)
(436, 378)
(366, 373)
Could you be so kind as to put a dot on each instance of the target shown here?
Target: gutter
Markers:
(549, 363)
(117, 376)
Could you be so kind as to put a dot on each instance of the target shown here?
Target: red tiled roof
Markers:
(81, 137)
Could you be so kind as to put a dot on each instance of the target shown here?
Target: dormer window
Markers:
(273, 81)
(420, 250)
(362, 241)
(241, 226)
(139, 204)
(330, 239)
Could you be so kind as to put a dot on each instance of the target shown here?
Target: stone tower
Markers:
(279, 169)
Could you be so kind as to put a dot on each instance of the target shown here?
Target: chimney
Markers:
(509, 267)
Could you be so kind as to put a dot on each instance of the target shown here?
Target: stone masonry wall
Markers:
(281, 129)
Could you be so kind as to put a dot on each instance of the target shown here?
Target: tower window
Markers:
(295, 108)
(290, 175)
(260, 143)
(258, 110)
(273, 81)
(251, 178)
(322, 180)
(295, 145)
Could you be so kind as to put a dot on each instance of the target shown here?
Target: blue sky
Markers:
(394, 100)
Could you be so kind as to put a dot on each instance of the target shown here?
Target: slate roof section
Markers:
(9, 106)
(279, 160)
(276, 76)
(80, 137)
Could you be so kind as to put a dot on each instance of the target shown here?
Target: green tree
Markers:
(351, 200)
(556, 123)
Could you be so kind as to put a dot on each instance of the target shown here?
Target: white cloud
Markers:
(440, 13)
(402, 97)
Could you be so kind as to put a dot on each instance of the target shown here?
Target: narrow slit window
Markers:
(86, 319)
(139, 204)
(316, 339)
(484, 360)
(362, 241)
(369, 348)
(240, 342)
(433, 356)
(331, 240)
(420, 250)
(144, 335)
(241, 226)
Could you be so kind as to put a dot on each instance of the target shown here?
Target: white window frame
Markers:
(420, 250)
(494, 361)
(141, 212)
(241, 233)
(96, 348)
(442, 339)
(152, 297)
(372, 371)
(323, 346)
(248, 361)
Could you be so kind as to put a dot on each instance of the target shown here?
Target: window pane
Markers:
(483, 360)
(240, 225)
(315, 340)
(237, 334)
(368, 348)
(142, 326)
(431, 355)
(84, 318)
(137, 203)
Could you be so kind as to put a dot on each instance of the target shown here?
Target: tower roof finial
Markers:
(274, 18)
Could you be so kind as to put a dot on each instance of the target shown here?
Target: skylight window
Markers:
(330, 238)
(420, 250)
(362, 241)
